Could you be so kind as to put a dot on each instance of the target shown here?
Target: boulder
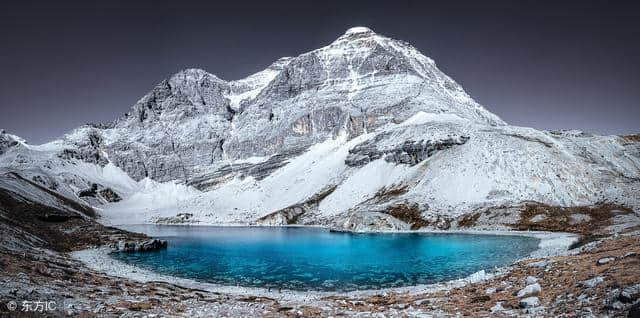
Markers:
(615, 306)
(531, 280)
(630, 294)
(529, 302)
(124, 246)
(540, 264)
(590, 283)
(605, 260)
(497, 308)
(538, 218)
(530, 290)
(149, 245)
(109, 195)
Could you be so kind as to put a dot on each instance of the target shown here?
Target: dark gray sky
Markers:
(544, 64)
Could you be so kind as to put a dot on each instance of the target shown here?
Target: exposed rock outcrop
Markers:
(409, 152)
(139, 246)
(293, 214)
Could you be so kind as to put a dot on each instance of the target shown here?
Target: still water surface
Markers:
(316, 259)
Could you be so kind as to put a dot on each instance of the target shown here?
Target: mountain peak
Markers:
(358, 30)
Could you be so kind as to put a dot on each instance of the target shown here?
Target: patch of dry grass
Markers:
(385, 194)
(469, 220)
(632, 138)
(408, 213)
(558, 219)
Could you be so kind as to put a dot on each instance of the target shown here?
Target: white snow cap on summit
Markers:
(358, 29)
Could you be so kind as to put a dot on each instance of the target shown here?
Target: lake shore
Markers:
(551, 244)
(83, 280)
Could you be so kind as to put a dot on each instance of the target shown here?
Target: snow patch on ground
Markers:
(422, 118)
(251, 160)
(363, 185)
(152, 199)
(108, 176)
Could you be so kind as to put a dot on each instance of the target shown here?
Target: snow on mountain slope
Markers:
(194, 122)
(338, 135)
(248, 88)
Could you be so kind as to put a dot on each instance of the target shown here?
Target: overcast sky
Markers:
(543, 64)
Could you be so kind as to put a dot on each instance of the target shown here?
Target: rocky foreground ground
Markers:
(599, 276)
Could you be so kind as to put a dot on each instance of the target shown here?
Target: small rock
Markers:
(590, 283)
(98, 309)
(587, 313)
(578, 218)
(497, 308)
(532, 289)
(42, 269)
(540, 264)
(284, 308)
(538, 218)
(490, 290)
(630, 294)
(616, 306)
(612, 296)
(529, 302)
(531, 280)
(605, 260)
(630, 254)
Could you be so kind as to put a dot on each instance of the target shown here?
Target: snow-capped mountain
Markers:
(340, 136)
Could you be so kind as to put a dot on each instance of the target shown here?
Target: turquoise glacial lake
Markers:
(316, 259)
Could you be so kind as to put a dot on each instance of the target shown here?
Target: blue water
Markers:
(316, 259)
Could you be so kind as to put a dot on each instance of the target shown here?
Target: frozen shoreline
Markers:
(551, 244)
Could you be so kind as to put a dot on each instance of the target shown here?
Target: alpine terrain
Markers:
(364, 134)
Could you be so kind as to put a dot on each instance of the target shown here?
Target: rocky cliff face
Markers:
(194, 121)
(365, 115)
